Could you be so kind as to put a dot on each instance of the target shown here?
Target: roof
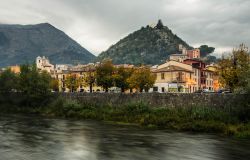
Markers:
(172, 69)
(178, 55)
(193, 60)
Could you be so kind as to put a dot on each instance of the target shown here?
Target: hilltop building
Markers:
(185, 54)
(194, 54)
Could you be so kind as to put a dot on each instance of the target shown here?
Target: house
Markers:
(81, 72)
(15, 69)
(194, 54)
(185, 54)
(205, 76)
(174, 76)
(216, 82)
(178, 57)
(2, 70)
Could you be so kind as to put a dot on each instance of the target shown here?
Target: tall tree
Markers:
(104, 74)
(233, 70)
(142, 79)
(8, 81)
(90, 79)
(35, 86)
(121, 77)
(205, 50)
(72, 82)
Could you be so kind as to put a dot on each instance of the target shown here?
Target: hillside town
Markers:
(183, 72)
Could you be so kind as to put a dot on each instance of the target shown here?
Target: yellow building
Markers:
(216, 83)
(176, 77)
(81, 72)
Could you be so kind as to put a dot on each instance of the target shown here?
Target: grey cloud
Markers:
(96, 24)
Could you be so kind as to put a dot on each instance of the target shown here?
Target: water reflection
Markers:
(27, 138)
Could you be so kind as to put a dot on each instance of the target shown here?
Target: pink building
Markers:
(194, 54)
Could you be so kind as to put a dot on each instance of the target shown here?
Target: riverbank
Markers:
(228, 121)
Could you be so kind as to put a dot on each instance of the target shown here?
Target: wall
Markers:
(161, 100)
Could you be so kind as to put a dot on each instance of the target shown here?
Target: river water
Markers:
(37, 138)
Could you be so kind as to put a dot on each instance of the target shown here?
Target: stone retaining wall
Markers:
(161, 100)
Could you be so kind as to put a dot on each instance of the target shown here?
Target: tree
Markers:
(159, 24)
(142, 79)
(205, 50)
(54, 85)
(90, 80)
(121, 77)
(8, 81)
(72, 82)
(233, 71)
(34, 86)
(104, 74)
(210, 59)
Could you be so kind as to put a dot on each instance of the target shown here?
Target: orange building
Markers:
(15, 69)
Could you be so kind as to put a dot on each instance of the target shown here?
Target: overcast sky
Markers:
(97, 24)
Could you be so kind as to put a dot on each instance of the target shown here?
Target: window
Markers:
(162, 89)
(162, 75)
(155, 89)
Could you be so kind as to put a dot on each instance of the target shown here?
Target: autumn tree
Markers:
(72, 82)
(54, 84)
(90, 79)
(142, 79)
(104, 74)
(233, 70)
(121, 77)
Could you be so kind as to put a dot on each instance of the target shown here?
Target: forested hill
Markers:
(149, 45)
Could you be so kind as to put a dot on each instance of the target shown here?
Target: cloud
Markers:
(97, 24)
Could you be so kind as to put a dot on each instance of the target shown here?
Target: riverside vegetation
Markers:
(30, 92)
(230, 120)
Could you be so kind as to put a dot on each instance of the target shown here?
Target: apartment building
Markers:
(174, 76)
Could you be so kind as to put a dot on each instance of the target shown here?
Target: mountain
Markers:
(21, 44)
(149, 45)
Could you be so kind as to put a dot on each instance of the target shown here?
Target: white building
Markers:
(43, 64)
(174, 76)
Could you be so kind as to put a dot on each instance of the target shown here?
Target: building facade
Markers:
(175, 76)
(194, 54)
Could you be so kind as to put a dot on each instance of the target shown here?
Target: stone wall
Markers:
(161, 100)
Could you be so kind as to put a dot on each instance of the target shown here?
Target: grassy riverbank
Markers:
(227, 121)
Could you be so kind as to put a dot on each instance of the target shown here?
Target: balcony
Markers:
(178, 80)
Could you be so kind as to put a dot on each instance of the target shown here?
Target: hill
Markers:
(149, 45)
(23, 43)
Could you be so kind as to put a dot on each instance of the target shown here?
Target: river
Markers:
(37, 138)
